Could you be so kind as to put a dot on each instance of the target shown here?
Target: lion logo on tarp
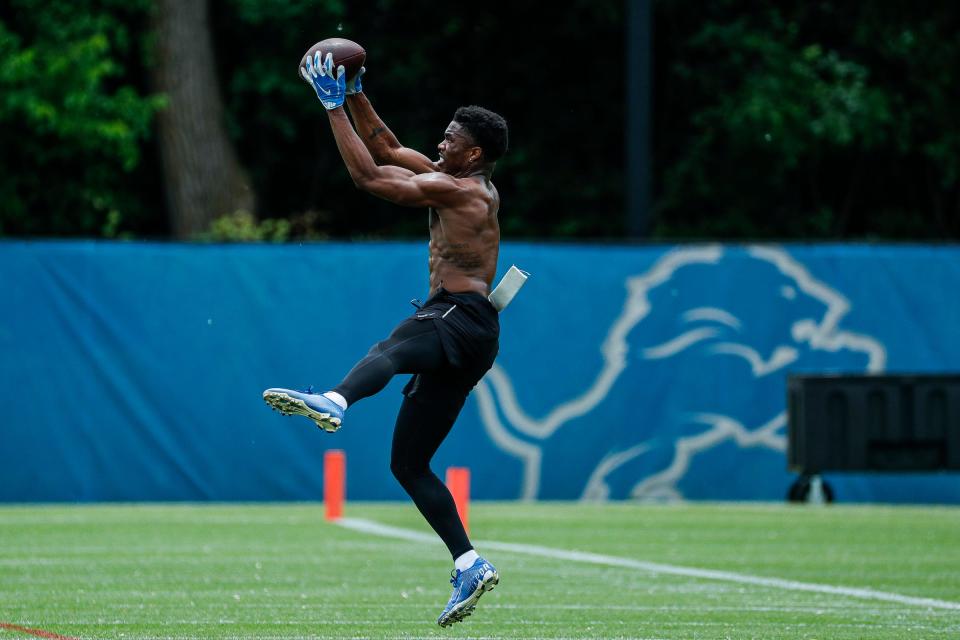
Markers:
(690, 399)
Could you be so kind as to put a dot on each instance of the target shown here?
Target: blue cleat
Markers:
(468, 586)
(326, 413)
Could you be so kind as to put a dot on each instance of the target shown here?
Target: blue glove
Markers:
(353, 86)
(332, 90)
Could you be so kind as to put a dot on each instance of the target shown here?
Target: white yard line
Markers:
(375, 528)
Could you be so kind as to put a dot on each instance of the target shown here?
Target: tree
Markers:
(807, 120)
(771, 119)
(203, 179)
(73, 120)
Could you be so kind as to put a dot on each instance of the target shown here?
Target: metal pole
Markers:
(639, 68)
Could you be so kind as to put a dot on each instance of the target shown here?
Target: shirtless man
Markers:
(452, 339)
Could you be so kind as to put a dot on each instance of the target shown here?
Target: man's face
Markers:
(457, 150)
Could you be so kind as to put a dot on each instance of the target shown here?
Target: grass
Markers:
(280, 571)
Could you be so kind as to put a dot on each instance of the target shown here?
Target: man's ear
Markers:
(476, 154)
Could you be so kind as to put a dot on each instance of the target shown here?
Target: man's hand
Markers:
(331, 90)
(353, 86)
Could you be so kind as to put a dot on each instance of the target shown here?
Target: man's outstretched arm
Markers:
(399, 185)
(380, 141)
(396, 184)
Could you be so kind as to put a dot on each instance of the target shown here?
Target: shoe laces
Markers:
(454, 576)
(308, 390)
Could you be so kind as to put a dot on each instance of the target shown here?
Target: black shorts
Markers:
(469, 331)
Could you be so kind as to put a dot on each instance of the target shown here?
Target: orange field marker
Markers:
(458, 482)
(334, 483)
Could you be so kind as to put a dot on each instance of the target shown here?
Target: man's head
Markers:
(474, 138)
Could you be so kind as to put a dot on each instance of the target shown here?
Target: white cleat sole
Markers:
(290, 406)
(466, 608)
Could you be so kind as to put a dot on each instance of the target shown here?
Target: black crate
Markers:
(873, 423)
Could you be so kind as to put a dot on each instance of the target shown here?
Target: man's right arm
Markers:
(380, 141)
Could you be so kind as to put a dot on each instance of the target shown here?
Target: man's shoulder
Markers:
(437, 179)
(468, 186)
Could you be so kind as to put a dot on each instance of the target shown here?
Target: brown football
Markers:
(345, 52)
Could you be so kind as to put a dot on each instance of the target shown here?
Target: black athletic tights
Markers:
(425, 418)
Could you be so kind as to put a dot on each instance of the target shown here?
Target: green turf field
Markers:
(280, 571)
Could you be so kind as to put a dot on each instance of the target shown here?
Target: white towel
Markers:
(511, 282)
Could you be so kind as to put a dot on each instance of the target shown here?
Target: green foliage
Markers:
(71, 123)
(242, 226)
(784, 122)
(770, 119)
(775, 120)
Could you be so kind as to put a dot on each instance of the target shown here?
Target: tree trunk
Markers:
(203, 179)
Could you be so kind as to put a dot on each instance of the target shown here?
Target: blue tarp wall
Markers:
(134, 371)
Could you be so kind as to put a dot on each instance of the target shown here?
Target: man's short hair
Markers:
(488, 130)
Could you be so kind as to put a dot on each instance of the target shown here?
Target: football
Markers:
(345, 52)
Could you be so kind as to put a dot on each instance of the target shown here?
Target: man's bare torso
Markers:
(465, 240)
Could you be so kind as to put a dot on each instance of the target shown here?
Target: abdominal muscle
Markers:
(463, 256)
